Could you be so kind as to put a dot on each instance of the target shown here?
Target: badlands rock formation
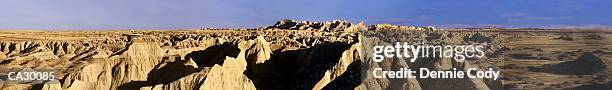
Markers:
(183, 60)
(336, 25)
(396, 27)
(296, 55)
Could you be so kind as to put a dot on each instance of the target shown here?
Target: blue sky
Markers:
(185, 14)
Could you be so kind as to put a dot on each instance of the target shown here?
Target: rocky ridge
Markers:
(335, 25)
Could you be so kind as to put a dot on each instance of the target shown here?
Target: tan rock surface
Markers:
(192, 59)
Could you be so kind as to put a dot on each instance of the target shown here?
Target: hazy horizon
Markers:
(193, 14)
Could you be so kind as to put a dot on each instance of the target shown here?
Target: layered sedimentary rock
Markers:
(397, 27)
(199, 59)
(336, 25)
